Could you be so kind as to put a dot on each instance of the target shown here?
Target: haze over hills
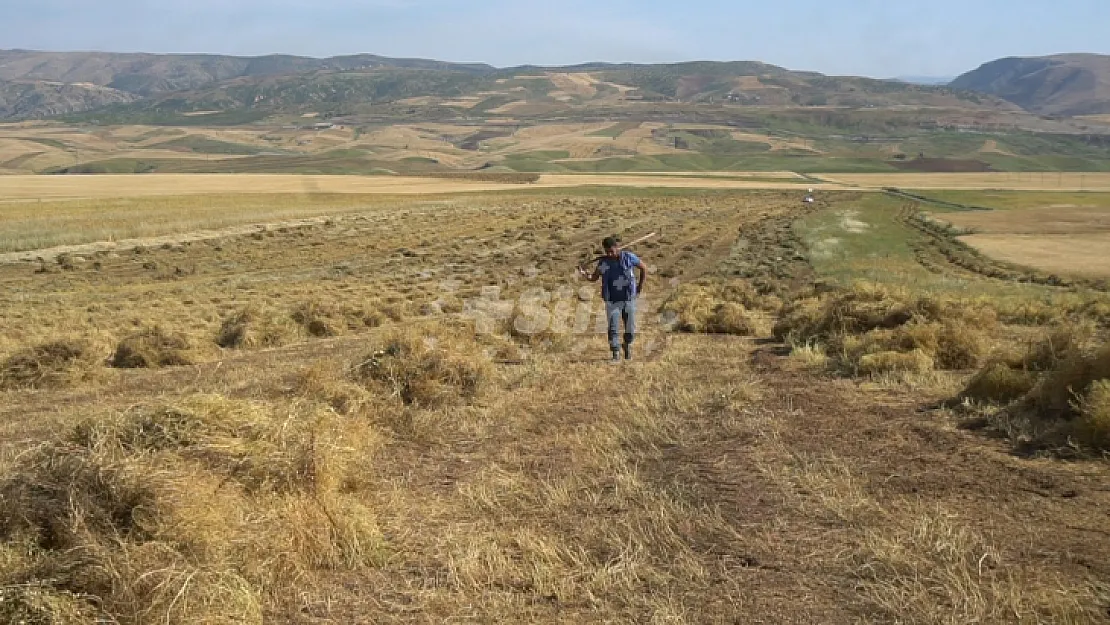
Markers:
(1065, 84)
(45, 84)
(925, 80)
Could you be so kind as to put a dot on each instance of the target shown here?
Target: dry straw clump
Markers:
(531, 325)
(426, 370)
(326, 382)
(35, 603)
(1057, 391)
(1094, 424)
(49, 365)
(255, 327)
(731, 307)
(152, 347)
(998, 382)
(870, 329)
(323, 320)
(916, 361)
(204, 511)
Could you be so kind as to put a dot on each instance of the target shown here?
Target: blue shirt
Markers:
(618, 281)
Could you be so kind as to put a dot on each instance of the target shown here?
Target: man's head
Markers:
(612, 246)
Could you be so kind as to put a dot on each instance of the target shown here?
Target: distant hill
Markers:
(34, 99)
(37, 84)
(1066, 84)
(156, 88)
(147, 74)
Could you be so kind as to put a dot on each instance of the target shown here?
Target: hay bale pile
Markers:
(208, 510)
(426, 371)
(1059, 390)
(870, 329)
(715, 307)
(49, 365)
(255, 327)
(150, 348)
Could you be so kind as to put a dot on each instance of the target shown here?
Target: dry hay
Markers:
(998, 382)
(37, 603)
(322, 320)
(869, 321)
(719, 308)
(327, 383)
(427, 371)
(254, 327)
(1094, 423)
(204, 511)
(1056, 393)
(530, 325)
(152, 347)
(1055, 396)
(916, 361)
(49, 365)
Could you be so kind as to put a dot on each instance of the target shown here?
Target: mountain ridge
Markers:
(1069, 84)
(35, 84)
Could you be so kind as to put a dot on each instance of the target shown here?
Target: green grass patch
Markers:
(615, 130)
(109, 166)
(337, 162)
(206, 145)
(859, 237)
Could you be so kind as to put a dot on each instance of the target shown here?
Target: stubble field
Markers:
(1061, 233)
(397, 410)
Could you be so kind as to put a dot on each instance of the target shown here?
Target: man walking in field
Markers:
(619, 288)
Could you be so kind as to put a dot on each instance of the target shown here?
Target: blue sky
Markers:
(878, 38)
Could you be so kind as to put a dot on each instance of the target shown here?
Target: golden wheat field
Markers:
(1064, 238)
(1072, 254)
(351, 404)
(1020, 181)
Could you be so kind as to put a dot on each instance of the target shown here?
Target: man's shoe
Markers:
(616, 359)
(628, 352)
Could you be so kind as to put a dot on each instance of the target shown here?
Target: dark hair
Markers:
(609, 242)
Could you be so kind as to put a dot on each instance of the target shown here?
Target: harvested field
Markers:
(1059, 219)
(353, 443)
(1060, 238)
(942, 165)
(579, 84)
(1074, 254)
(42, 187)
(58, 187)
(1054, 181)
